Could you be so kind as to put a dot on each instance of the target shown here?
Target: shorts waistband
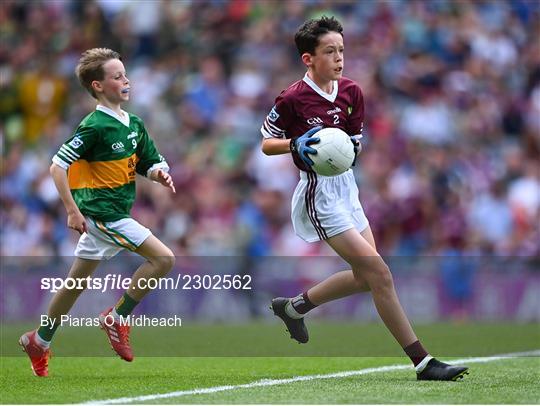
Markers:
(304, 175)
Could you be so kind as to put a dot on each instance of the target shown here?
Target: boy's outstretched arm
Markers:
(160, 176)
(275, 146)
(76, 220)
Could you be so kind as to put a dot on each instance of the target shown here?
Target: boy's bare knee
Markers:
(164, 263)
(169, 261)
(376, 277)
(383, 278)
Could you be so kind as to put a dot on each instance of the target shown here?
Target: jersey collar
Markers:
(331, 97)
(124, 120)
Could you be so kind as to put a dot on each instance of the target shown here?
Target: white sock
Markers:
(115, 315)
(41, 342)
(422, 365)
(291, 311)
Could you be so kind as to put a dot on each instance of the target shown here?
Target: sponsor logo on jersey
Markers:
(75, 143)
(118, 147)
(131, 163)
(273, 115)
(314, 120)
(334, 111)
(132, 135)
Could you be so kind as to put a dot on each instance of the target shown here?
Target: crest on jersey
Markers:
(118, 146)
(273, 115)
(349, 110)
(76, 142)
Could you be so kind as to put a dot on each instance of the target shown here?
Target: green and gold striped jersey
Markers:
(102, 159)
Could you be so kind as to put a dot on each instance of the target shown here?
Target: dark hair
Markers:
(90, 66)
(307, 36)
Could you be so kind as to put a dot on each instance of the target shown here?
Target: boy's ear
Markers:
(307, 58)
(96, 85)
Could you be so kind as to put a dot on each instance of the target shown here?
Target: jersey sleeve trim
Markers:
(265, 133)
(67, 151)
(61, 163)
(65, 157)
(269, 130)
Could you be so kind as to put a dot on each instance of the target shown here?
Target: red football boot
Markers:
(39, 356)
(117, 334)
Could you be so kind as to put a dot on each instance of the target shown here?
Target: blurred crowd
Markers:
(451, 159)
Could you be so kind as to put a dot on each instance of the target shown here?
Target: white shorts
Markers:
(104, 240)
(324, 206)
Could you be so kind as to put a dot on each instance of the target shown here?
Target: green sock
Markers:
(46, 332)
(125, 305)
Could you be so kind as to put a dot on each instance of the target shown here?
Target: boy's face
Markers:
(115, 85)
(327, 62)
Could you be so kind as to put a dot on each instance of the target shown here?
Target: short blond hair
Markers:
(90, 66)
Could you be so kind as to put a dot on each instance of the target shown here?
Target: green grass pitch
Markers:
(75, 378)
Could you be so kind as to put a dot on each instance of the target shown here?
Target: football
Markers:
(335, 152)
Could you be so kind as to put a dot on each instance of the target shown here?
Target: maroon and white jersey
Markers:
(304, 105)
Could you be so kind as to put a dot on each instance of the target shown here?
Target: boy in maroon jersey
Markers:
(327, 208)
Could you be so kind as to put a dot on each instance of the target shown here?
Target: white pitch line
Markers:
(274, 382)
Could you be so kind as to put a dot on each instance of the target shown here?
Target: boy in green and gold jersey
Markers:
(94, 172)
